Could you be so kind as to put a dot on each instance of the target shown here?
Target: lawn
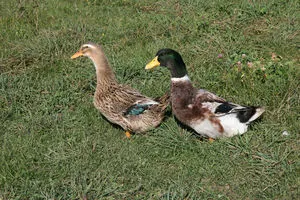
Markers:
(56, 145)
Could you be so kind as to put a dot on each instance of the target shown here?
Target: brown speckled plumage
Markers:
(113, 99)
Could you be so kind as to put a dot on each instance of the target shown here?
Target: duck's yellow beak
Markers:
(154, 63)
(77, 54)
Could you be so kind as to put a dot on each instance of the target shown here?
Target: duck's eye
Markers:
(84, 48)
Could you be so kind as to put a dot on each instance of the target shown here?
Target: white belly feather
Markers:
(231, 125)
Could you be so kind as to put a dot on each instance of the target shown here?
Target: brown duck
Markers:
(203, 111)
(121, 104)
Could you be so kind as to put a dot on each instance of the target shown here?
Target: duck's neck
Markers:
(184, 78)
(105, 74)
(177, 68)
(180, 81)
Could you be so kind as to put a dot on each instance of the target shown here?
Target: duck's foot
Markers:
(211, 140)
(128, 135)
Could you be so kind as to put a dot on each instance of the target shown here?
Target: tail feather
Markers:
(249, 114)
(258, 112)
(165, 99)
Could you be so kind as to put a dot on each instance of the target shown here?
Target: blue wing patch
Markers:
(137, 109)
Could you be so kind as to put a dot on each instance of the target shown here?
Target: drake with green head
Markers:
(203, 111)
(121, 104)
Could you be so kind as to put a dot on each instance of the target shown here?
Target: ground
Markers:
(56, 145)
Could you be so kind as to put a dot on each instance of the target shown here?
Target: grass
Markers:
(55, 144)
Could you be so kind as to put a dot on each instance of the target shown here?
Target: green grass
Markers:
(55, 144)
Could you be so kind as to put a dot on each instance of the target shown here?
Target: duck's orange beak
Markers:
(77, 54)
